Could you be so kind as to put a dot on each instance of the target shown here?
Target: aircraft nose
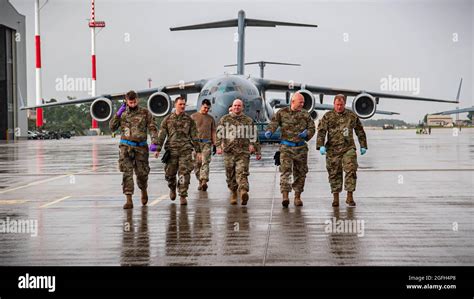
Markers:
(225, 99)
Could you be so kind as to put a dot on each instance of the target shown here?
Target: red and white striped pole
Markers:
(94, 73)
(39, 99)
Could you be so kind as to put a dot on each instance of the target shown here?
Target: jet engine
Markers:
(159, 104)
(308, 100)
(101, 109)
(364, 105)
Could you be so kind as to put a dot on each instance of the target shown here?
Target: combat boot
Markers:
(172, 194)
(129, 203)
(233, 197)
(203, 185)
(335, 201)
(350, 199)
(298, 201)
(144, 197)
(244, 197)
(286, 200)
(183, 201)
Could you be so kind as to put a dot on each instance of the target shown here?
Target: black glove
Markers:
(214, 150)
(166, 157)
(276, 157)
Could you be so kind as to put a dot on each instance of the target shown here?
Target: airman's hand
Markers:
(251, 149)
(157, 154)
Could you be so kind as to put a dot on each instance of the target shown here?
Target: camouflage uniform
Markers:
(233, 136)
(201, 167)
(206, 140)
(180, 131)
(293, 159)
(340, 147)
(133, 124)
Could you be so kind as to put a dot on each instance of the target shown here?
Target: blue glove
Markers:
(322, 150)
(268, 134)
(363, 150)
(303, 134)
(121, 109)
(153, 147)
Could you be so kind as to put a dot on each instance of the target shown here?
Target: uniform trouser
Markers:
(237, 171)
(180, 163)
(336, 162)
(132, 159)
(201, 168)
(293, 161)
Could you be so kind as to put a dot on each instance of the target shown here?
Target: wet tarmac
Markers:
(414, 207)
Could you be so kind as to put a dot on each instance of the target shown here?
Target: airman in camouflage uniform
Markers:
(134, 122)
(237, 138)
(206, 127)
(180, 132)
(339, 125)
(297, 127)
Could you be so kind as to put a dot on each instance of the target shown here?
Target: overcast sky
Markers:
(357, 44)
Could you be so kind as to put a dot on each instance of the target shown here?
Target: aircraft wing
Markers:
(266, 84)
(463, 110)
(174, 89)
(331, 107)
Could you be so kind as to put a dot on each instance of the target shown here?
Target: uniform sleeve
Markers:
(310, 127)
(162, 134)
(274, 123)
(220, 134)
(213, 131)
(114, 123)
(194, 136)
(152, 129)
(322, 131)
(359, 130)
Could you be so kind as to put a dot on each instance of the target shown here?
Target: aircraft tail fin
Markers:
(219, 24)
(459, 90)
(241, 22)
(262, 65)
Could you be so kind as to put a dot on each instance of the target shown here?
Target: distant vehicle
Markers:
(66, 135)
(262, 128)
(421, 131)
(32, 135)
(388, 127)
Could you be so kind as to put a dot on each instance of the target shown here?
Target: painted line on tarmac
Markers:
(91, 207)
(158, 200)
(54, 202)
(12, 201)
(47, 180)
